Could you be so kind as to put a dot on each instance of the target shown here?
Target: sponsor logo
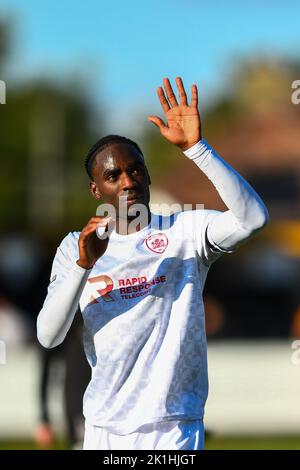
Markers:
(129, 288)
(157, 242)
(101, 286)
(138, 286)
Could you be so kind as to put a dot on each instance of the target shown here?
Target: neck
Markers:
(132, 224)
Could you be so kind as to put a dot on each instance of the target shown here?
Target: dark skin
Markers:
(119, 169)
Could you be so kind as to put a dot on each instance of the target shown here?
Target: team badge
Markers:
(157, 242)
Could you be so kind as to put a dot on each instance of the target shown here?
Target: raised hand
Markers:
(183, 126)
(91, 247)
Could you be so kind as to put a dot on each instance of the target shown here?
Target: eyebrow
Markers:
(111, 171)
(135, 164)
(116, 170)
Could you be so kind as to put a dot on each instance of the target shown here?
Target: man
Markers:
(139, 286)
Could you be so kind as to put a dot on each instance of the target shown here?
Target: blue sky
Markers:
(121, 50)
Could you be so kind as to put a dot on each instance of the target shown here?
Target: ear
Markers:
(94, 190)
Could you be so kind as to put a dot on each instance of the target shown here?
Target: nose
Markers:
(127, 182)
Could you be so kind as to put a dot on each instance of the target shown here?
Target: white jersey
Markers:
(144, 331)
(171, 435)
(142, 305)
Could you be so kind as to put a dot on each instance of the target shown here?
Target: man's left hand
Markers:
(183, 126)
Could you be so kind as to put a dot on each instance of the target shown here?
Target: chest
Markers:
(130, 271)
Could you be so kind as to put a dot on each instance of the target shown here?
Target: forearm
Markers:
(61, 303)
(247, 213)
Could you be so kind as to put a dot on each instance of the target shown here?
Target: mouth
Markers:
(131, 202)
(133, 198)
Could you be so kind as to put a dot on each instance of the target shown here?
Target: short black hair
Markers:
(101, 144)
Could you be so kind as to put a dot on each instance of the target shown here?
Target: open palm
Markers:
(183, 126)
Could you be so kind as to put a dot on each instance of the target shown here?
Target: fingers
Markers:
(104, 221)
(170, 93)
(105, 228)
(92, 225)
(157, 121)
(181, 91)
(163, 100)
(100, 219)
(168, 99)
(194, 99)
(87, 230)
(90, 247)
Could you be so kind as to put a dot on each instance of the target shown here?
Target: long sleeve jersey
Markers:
(142, 305)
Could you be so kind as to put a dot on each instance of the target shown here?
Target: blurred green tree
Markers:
(4, 42)
(258, 88)
(46, 130)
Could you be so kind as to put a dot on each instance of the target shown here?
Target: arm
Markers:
(68, 279)
(61, 303)
(247, 212)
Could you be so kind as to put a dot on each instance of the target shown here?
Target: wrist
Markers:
(197, 149)
(84, 264)
(189, 145)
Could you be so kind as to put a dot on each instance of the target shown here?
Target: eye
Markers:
(112, 177)
(136, 171)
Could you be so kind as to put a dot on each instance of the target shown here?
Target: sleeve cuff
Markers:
(197, 150)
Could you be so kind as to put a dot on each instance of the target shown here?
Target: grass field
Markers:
(253, 443)
(212, 443)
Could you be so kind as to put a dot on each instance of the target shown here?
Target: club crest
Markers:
(157, 242)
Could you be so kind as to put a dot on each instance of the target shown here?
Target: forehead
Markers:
(117, 155)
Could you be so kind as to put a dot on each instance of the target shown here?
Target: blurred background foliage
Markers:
(47, 128)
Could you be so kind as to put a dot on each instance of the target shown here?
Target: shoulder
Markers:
(69, 245)
(187, 224)
(66, 255)
(198, 217)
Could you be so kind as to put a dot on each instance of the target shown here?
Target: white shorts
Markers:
(166, 435)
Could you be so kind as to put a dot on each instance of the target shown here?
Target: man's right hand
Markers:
(91, 248)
